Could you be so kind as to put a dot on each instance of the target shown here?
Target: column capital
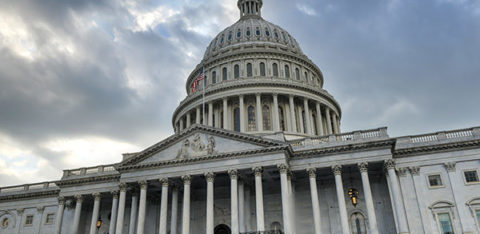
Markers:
(283, 168)
(289, 174)
(61, 200)
(363, 167)
(402, 171)
(210, 176)
(450, 166)
(164, 182)
(40, 208)
(337, 169)
(275, 95)
(187, 179)
(143, 184)
(390, 164)
(79, 198)
(115, 194)
(257, 171)
(233, 174)
(20, 211)
(258, 94)
(241, 96)
(97, 196)
(414, 170)
(123, 187)
(312, 172)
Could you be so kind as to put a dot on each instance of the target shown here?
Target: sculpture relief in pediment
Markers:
(196, 147)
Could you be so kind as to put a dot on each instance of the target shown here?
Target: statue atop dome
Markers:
(250, 8)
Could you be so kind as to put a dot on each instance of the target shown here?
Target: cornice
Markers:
(94, 179)
(354, 147)
(437, 148)
(29, 195)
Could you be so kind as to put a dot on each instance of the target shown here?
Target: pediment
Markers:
(197, 142)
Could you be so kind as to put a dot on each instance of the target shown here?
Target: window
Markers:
(230, 35)
(281, 118)
(287, 71)
(262, 69)
(49, 219)
(445, 223)
(267, 126)
(239, 33)
(471, 176)
(251, 119)
(257, 31)
(297, 73)
(249, 70)
(435, 181)
(357, 222)
(214, 77)
(275, 33)
(306, 76)
(248, 32)
(222, 40)
(236, 119)
(275, 70)
(267, 33)
(284, 37)
(224, 74)
(29, 220)
(236, 71)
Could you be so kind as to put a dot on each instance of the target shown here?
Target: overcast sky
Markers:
(83, 81)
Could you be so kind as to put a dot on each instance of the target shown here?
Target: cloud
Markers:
(306, 9)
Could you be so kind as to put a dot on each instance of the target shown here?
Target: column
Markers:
(96, 209)
(337, 171)
(20, 213)
(335, 123)
(210, 114)
(198, 116)
(293, 121)
(40, 210)
(319, 120)
(187, 180)
(234, 200)
(372, 219)
(121, 208)
(58, 222)
(259, 112)
(307, 117)
(142, 208)
(113, 218)
(300, 120)
(78, 211)
(285, 203)
(291, 202)
(173, 221)
(276, 118)
(259, 199)
(133, 214)
(397, 199)
(242, 114)
(210, 206)
(312, 172)
(182, 126)
(189, 120)
(241, 206)
(164, 207)
(417, 183)
(329, 121)
(248, 216)
(226, 125)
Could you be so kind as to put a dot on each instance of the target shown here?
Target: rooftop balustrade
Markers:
(439, 137)
(87, 171)
(28, 188)
(379, 133)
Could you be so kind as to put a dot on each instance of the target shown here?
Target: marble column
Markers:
(234, 200)
(319, 120)
(291, 202)
(293, 122)
(335, 123)
(307, 117)
(77, 216)
(59, 220)
(226, 124)
(419, 185)
(198, 116)
(121, 208)
(142, 208)
(210, 177)
(329, 121)
(133, 214)
(20, 220)
(164, 207)
(189, 120)
(300, 120)
(113, 218)
(337, 171)
(312, 173)
(182, 126)
(276, 117)
(259, 112)
(210, 114)
(96, 209)
(242, 114)
(173, 221)
(41, 211)
(396, 195)
(285, 203)
(187, 180)
(372, 219)
(259, 199)
(241, 206)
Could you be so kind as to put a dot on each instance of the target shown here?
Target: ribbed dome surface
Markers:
(252, 30)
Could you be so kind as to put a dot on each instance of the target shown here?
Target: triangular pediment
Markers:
(197, 142)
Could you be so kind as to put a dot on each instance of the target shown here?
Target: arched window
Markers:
(306, 76)
(276, 227)
(236, 119)
(252, 125)
(287, 71)
(275, 70)
(262, 69)
(257, 31)
(214, 77)
(281, 119)
(357, 223)
(239, 33)
(222, 40)
(267, 123)
(249, 70)
(236, 71)
(275, 33)
(224, 74)
(267, 32)
(297, 73)
(248, 32)
(230, 35)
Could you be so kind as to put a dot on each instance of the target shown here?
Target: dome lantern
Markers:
(250, 8)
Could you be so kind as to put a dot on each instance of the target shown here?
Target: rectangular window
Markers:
(445, 223)
(29, 220)
(435, 181)
(471, 176)
(49, 219)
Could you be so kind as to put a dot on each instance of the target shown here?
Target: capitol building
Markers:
(258, 149)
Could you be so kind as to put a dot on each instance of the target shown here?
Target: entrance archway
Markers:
(222, 229)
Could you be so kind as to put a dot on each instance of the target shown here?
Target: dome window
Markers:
(267, 126)
(262, 69)
(275, 70)
(236, 71)
(214, 77)
(284, 37)
(287, 71)
(224, 74)
(275, 33)
(252, 124)
(249, 70)
(222, 39)
(267, 33)
(239, 34)
(257, 31)
(297, 73)
(230, 36)
(248, 32)
(215, 43)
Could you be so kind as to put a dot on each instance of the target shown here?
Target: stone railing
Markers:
(28, 188)
(264, 232)
(343, 137)
(441, 136)
(86, 171)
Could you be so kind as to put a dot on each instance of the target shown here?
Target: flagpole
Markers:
(203, 98)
